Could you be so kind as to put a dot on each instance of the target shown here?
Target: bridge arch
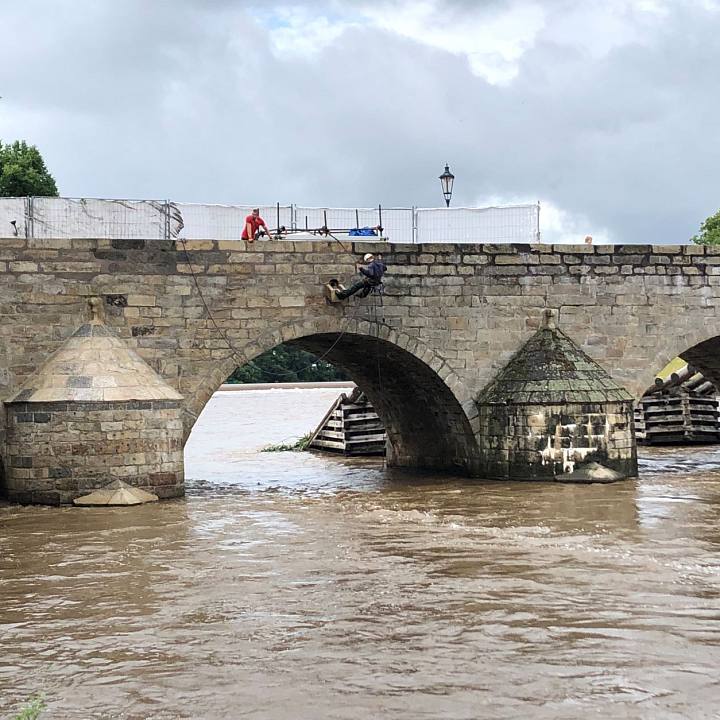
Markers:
(428, 412)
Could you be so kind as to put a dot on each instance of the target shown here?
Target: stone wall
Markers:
(526, 442)
(459, 311)
(57, 451)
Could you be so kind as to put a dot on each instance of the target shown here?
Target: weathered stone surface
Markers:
(78, 449)
(457, 329)
(551, 409)
(93, 364)
(95, 410)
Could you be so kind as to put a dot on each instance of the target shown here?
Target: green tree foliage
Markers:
(709, 231)
(23, 172)
(286, 364)
(32, 710)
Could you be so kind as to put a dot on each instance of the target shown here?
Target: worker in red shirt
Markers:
(253, 223)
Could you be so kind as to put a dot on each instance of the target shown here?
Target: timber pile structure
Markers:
(351, 427)
(682, 408)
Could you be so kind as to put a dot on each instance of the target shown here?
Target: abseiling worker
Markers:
(372, 275)
(253, 223)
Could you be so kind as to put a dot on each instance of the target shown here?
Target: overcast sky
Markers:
(607, 112)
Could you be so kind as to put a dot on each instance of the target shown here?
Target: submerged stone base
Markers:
(58, 451)
(525, 442)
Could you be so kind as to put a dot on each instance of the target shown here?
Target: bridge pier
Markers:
(551, 410)
(93, 413)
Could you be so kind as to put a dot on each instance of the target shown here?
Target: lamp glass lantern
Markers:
(446, 182)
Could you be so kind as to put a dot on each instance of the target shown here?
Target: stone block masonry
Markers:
(456, 313)
(58, 451)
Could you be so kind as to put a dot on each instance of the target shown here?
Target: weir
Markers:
(453, 316)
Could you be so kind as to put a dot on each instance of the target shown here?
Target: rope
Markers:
(238, 355)
(347, 252)
(378, 292)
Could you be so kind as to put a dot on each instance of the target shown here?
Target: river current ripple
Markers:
(292, 585)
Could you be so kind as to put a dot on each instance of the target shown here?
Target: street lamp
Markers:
(446, 181)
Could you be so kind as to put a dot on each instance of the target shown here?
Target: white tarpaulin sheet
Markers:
(515, 223)
(151, 219)
(89, 218)
(12, 210)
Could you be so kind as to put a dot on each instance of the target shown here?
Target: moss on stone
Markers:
(551, 368)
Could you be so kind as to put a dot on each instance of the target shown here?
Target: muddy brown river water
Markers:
(291, 586)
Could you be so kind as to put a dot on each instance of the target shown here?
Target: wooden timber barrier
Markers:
(680, 409)
(351, 427)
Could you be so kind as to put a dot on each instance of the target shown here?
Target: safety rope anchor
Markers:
(331, 290)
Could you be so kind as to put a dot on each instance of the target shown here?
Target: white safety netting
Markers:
(152, 219)
(91, 218)
(512, 224)
(225, 222)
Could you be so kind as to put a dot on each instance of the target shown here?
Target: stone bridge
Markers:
(452, 316)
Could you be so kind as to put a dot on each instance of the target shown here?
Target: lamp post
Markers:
(446, 181)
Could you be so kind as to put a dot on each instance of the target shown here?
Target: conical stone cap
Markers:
(116, 493)
(551, 369)
(94, 365)
(592, 472)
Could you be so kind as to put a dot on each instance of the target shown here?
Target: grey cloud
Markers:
(186, 100)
